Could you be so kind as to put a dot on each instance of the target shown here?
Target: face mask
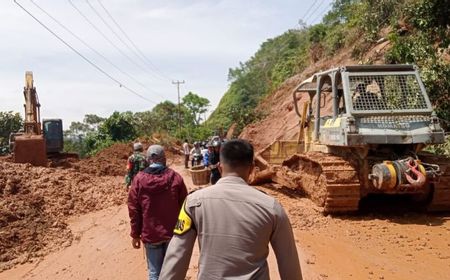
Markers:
(156, 165)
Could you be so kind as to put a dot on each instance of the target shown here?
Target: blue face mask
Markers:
(156, 165)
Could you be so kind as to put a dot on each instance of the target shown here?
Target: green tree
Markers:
(119, 127)
(93, 121)
(9, 122)
(196, 106)
(166, 117)
(145, 123)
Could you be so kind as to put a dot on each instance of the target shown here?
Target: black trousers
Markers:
(215, 176)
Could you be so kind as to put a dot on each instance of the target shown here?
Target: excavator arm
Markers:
(30, 147)
(32, 123)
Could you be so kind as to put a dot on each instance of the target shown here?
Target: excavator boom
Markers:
(30, 146)
(32, 106)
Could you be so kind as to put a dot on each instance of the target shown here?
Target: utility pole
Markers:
(179, 106)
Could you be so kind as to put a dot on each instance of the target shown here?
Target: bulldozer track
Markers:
(441, 191)
(330, 181)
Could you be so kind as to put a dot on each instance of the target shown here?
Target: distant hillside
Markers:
(364, 31)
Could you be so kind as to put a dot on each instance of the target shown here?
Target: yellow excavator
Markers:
(36, 142)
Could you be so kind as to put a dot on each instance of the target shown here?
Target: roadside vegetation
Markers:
(9, 122)
(94, 133)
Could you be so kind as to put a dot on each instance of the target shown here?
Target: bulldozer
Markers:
(36, 142)
(362, 131)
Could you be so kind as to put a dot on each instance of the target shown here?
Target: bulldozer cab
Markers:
(369, 105)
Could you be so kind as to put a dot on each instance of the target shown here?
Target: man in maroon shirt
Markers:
(154, 201)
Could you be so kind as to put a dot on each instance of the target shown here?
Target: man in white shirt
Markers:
(186, 152)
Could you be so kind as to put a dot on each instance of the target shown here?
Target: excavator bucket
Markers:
(30, 149)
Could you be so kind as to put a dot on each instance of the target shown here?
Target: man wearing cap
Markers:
(136, 162)
(154, 201)
(234, 224)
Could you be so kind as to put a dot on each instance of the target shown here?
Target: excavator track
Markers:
(441, 187)
(330, 181)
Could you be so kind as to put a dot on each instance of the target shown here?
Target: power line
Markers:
(116, 35)
(89, 46)
(83, 57)
(321, 14)
(132, 42)
(309, 9)
(107, 39)
(315, 10)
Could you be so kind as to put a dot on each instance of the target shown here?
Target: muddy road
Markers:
(403, 245)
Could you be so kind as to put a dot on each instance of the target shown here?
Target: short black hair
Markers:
(237, 153)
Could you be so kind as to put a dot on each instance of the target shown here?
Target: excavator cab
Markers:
(53, 134)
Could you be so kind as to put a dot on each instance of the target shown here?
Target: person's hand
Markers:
(136, 242)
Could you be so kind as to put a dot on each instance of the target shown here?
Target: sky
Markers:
(195, 41)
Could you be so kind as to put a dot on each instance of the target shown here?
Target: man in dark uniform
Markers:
(234, 223)
(136, 162)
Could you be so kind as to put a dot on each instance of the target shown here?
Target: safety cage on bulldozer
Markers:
(393, 94)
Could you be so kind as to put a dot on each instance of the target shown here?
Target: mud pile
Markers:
(110, 161)
(35, 203)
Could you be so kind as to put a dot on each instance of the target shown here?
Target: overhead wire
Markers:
(120, 38)
(313, 12)
(308, 10)
(84, 57)
(321, 14)
(107, 39)
(88, 46)
(152, 65)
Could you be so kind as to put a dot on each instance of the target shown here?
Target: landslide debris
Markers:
(111, 161)
(35, 203)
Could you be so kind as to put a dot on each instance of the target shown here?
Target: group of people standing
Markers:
(206, 154)
(232, 221)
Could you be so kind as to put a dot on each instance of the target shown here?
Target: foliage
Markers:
(119, 127)
(84, 137)
(95, 142)
(95, 133)
(426, 21)
(9, 122)
(442, 149)
(196, 106)
(166, 117)
(275, 61)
